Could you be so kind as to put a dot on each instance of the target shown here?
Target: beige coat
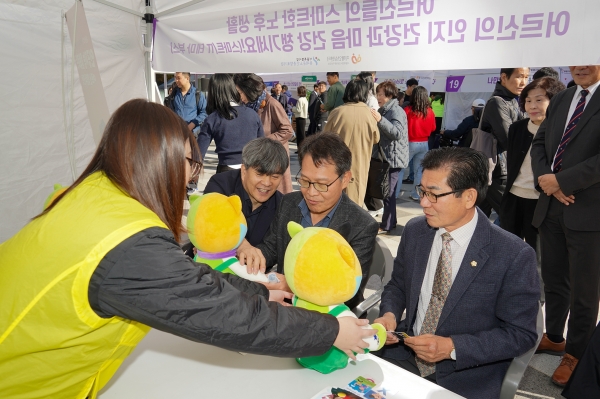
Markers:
(357, 127)
(277, 126)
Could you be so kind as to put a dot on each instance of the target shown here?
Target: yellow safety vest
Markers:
(52, 344)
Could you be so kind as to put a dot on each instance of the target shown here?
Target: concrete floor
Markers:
(536, 382)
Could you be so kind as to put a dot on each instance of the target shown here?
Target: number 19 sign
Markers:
(453, 83)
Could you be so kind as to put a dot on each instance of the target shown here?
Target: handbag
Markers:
(378, 183)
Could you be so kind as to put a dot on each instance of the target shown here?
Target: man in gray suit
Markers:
(565, 157)
(470, 289)
(325, 172)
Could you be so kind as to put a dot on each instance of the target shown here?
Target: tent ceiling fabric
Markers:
(348, 35)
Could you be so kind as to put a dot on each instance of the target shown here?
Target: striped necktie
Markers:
(568, 131)
(442, 282)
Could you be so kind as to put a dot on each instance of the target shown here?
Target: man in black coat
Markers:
(565, 157)
(312, 104)
(321, 202)
(264, 161)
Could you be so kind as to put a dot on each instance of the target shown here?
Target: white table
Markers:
(165, 366)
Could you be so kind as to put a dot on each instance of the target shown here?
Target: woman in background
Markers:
(273, 116)
(421, 122)
(393, 132)
(357, 127)
(229, 123)
(301, 113)
(371, 100)
(520, 197)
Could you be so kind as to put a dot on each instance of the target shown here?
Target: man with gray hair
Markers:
(264, 162)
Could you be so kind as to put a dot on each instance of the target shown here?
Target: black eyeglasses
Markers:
(431, 197)
(195, 166)
(320, 187)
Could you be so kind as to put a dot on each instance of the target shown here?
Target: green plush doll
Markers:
(323, 272)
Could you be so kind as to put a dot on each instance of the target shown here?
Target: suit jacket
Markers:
(490, 312)
(352, 222)
(230, 183)
(580, 174)
(519, 142)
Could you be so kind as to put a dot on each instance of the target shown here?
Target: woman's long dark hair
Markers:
(251, 84)
(142, 151)
(221, 92)
(419, 101)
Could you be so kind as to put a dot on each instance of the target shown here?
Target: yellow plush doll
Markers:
(216, 226)
(323, 272)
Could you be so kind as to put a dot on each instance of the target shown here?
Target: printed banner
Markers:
(345, 36)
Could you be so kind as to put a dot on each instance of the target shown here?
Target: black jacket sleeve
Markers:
(463, 128)
(148, 278)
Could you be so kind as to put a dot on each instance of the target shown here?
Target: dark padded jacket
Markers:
(149, 279)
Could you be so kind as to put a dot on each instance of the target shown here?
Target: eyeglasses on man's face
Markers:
(320, 187)
(431, 197)
(195, 166)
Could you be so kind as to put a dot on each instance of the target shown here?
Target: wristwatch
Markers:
(453, 353)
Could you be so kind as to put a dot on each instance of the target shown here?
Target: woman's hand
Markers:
(282, 285)
(388, 320)
(376, 115)
(351, 334)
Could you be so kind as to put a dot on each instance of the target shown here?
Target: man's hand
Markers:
(548, 183)
(388, 320)
(251, 257)
(376, 115)
(351, 334)
(191, 126)
(282, 285)
(278, 296)
(559, 195)
(431, 348)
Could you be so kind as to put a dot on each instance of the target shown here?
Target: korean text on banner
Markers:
(319, 35)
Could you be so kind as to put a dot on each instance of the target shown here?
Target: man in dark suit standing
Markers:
(565, 158)
(325, 172)
(471, 305)
(313, 103)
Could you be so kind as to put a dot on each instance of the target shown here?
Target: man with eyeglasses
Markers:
(470, 289)
(325, 172)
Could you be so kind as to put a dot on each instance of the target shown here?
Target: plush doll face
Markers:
(320, 266)
(216, 223)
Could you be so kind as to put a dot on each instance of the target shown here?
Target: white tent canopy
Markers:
(45, 133)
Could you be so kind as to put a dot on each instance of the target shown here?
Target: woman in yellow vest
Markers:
(83, 282)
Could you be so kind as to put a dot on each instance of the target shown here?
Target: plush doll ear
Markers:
(294, 228)
(57, 186)
(236, 203)
(347, 255)
(193, 198)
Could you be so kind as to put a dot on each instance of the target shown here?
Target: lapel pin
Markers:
(473, 263)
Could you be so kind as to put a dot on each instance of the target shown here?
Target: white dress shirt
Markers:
(574, 102)
(461, 238)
